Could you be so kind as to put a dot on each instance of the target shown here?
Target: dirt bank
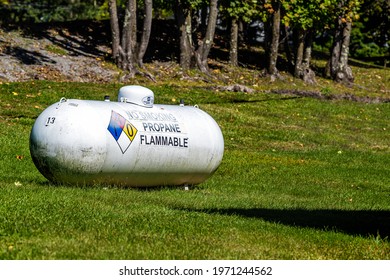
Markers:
(55, 53)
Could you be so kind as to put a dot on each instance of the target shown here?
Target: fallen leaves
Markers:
(18, 184)
(19, 157)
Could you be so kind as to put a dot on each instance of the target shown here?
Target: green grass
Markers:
(56, 50)
(301, 178)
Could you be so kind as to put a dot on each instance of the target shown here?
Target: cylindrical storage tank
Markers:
(125, 143)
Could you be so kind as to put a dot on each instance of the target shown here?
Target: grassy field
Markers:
(301, 178)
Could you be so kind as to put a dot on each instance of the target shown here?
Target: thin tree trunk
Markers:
(337, 67)
(202, 53)
(127, 53)
(115, 32)
(241, 33)
(308, 48)
(287, 49)
(128, 42)
(187, 46)
(309, 75)
(273, 51)
(303, 42)
(133, 28)
(147, 27)
(331, 65)
(183, 15)
(233, 53)
(299, 48)
(344, 71)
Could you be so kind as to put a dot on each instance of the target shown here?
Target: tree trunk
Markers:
(299, 48)
(303, 42)
(308, 48)
(188, 51)
(203, 50)
(330, 68)
(133, 28)
(129, 38)
(115, 32)
(125, 50)
(308, 74)
(183, 16)
(241, 32)
(147, 28)
(233, 42)
(274, 46)
(287, 49)
(344, 71)
(337, 67)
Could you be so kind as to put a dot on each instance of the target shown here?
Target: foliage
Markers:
(320, 15)
(244, 10)
(20, 11)
(317, 14)
(371, 37)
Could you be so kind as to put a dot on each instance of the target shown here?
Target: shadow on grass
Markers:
(355, 222)
(366, 223)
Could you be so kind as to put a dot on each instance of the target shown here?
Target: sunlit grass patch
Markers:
(301, 178)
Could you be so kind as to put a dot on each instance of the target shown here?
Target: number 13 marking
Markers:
(50, 120)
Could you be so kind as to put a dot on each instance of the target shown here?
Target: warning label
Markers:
(122, 131)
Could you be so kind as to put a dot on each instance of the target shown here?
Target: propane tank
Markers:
(132, 142)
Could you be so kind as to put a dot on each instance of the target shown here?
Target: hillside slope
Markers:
(54, 53)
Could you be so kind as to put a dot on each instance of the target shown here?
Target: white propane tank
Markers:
(132, 142)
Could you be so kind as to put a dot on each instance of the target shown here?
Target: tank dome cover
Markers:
(137, 95)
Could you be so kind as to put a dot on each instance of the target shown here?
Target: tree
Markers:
(304, 18)
(337, 67)
(126, 51)
(195, 48)
(19, 11)
(146, 31)
(235, 12)
(272, 41)
(370, 36)
(205, 43)
(183, 16)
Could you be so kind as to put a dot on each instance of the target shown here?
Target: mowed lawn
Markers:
(301, 178)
